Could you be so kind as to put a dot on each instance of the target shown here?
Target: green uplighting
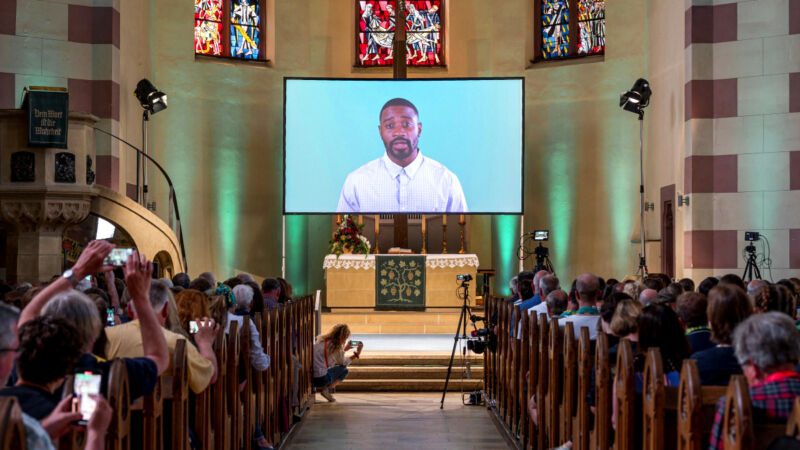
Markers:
(226, 167)
(297, 253)
(504, 251)
(561, 201)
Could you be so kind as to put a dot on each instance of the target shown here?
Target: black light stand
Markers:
(462, 318)
(635, 101)
(542, 259)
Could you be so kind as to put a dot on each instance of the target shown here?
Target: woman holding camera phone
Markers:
(330, 362)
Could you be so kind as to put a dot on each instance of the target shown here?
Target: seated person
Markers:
(625, 325)
(768, 348)
(241, 310)
(587, 290)
(691, 308)
(40, 435)
(658, 326)
(775, 298)
(126, 340)
(49, 349)
(728, 306)
(330, 362)
(191, 304)
(57, 299)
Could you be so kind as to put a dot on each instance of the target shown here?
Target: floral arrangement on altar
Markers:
(348, 238)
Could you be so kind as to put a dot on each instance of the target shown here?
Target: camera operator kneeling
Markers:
(330, 362)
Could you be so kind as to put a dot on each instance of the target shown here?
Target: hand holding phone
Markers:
(85, 389)
(117, 257)
(356, 343)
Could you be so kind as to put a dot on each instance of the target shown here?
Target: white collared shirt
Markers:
(424, 186)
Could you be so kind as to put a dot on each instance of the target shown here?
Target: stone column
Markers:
(42, 191)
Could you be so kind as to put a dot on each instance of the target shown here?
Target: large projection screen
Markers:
(345, 153)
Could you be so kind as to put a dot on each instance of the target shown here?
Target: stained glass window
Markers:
(208, 27)
(592, 23)
(570, 28)
(555, 28)
(229, 28)
(376, 24)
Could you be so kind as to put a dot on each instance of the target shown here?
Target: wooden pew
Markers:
(533, 369)
(659, 406)
(179, 415)
(554, 385)
(514, 381)
(570, 386)
(793, 425)
(118, 395)
(246, 396)
(488, 308)
(581, 436)
(739, 431)
(259, 378)
(625, 433)
(12, 430)
(601, 432)
(522, 369)
(502, 339)
(221, 419)
(152, 417)
(232, 386)
(696, 406)
(542, 382)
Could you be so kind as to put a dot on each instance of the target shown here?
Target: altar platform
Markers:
(350, 283)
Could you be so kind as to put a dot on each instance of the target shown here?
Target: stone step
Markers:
(441, 321)
(408, 385)
(410, 372)
(419, 359)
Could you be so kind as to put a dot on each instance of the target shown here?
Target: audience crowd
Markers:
(94, 314)
(726, 326)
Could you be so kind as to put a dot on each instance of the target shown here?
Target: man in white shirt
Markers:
(402, 180)
(587, 290)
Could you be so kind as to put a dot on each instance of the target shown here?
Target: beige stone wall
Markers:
(222, 134)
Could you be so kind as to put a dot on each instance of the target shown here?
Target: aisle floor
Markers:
(397, 421)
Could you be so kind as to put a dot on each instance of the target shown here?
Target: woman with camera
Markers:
(330, 362)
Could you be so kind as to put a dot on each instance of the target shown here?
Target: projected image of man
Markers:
(402, 180)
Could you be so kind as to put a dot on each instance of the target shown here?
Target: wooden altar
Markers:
(350, 280)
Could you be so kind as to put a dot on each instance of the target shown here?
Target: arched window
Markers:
(556, 35)
(425, 32)
(229, 28)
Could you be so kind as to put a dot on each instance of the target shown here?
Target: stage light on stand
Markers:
(637, 98)
(152, 101)
(635, 101)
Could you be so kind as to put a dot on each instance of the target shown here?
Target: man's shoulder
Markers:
(367, 170)
(122, 329)
(432, 164)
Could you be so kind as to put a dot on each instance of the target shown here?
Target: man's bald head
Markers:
(648, 296)
(587, 288)
(536, 278)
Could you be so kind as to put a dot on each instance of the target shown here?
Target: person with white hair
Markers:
(767, 347)
(126, 340)
(241, 310)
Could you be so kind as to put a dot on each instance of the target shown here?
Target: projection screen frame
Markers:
(521, 211)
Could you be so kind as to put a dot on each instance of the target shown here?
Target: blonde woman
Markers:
(330, 362)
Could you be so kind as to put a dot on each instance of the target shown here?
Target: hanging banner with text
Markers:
(47, 118)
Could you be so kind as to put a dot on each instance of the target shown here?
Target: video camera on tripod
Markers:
(481, 338)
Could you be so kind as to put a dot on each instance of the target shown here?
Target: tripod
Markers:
(461, 319)
(751, 267)
(542, 259)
